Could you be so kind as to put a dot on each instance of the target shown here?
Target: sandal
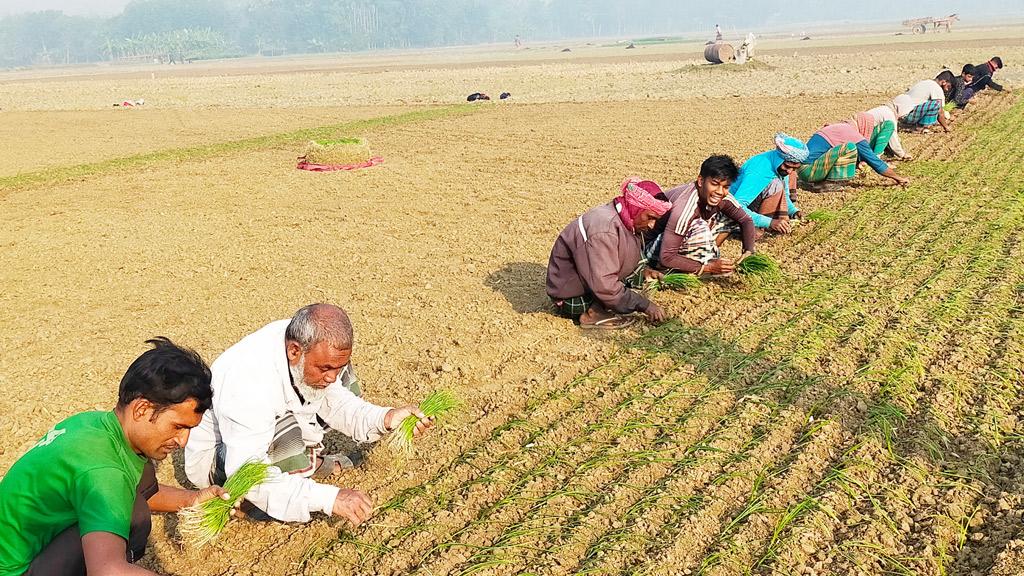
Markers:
(610, 323)
(327, 467)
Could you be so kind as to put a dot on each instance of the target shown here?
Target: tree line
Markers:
(190, 29)
(182, 30)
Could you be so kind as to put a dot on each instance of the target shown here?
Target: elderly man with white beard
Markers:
(274, 393)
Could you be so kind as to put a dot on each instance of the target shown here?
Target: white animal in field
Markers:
(746, 49)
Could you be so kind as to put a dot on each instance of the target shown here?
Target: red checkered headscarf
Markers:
(637, 196)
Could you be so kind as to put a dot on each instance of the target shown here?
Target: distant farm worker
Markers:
(718, 33)
(598, 259)
(884, 136)
(275, 391)
(920, 106)
(79, 500)
(703, 215)
(835, 150)
(762, 187)
(982, 76)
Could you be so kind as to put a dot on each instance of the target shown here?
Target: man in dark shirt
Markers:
(981, 76)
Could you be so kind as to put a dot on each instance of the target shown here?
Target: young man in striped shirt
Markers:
(703, 215)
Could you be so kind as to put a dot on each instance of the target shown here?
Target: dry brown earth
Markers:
(35, 140)
(826, 66)
(439, 256)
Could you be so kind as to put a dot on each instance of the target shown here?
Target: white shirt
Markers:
(918, 94)
(886, 113)
(252, 388)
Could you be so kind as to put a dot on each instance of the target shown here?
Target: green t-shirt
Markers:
(83, 471)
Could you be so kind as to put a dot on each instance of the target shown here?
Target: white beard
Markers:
(309, 393)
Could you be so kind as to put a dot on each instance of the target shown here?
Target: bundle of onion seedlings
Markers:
(437, 405)
(820, 216)
(202, 523)
(674, 281)
(338, 152)
(760, 266)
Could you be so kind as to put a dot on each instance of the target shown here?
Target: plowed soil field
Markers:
(860, 416)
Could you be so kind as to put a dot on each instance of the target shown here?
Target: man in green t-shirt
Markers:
(80, 499)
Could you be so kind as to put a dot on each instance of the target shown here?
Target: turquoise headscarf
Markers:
(792, 150)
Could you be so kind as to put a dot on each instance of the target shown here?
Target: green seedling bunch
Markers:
(437, 405)
(820, 216)
(675, 281)
(202, 523)
(761, 266)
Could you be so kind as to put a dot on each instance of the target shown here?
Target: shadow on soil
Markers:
(522, 284)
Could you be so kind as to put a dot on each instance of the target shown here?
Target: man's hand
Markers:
(781, 226)
(395, 416)
(655, 313)
(210, 493)
(799, 215)
(943, 121)
(353, 506)
(902, 180)
(651, 274)
(720, 266)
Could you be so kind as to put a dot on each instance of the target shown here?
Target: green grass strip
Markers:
(192, 153)
(339, 141)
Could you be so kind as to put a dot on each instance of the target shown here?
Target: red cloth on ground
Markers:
(303, 165)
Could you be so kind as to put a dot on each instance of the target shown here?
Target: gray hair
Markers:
(320, 323)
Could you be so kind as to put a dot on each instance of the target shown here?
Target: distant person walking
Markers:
(518, 42)
(718, 33)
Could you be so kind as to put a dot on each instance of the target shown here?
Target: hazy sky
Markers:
(842, 11)
(94, 7)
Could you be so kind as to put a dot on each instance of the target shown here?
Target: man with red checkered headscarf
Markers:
(597, 260)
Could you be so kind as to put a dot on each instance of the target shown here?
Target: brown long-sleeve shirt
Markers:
(686, 207)
(595, 253)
